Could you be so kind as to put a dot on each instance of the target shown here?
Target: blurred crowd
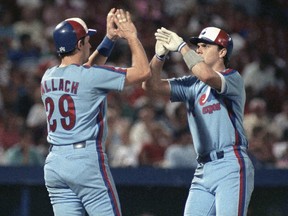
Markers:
(145, 130)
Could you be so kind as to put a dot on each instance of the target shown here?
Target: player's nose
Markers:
(198, 51)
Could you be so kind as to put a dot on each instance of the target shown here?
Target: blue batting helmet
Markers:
(67, 33)
(215, 35)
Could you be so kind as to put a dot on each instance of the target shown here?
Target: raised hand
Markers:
(110, 27)
(125, 27)
(169, 39)
(160, 50)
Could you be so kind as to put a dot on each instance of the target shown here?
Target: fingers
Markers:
(112, 12)
(111, 15)
(165, 31)
(128, 16)
(162, 37)
(125, 27)
(122, 16)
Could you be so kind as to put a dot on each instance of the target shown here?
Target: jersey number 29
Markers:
(66, 110)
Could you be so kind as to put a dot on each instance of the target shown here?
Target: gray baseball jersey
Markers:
(215, 121)
(75, 99)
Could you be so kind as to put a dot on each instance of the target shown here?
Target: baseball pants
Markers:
(78, 178)
(222, 187)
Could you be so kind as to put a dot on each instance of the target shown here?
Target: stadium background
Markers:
(258, 27)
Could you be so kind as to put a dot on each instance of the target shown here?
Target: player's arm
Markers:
(155, 84)
(194, 62)
(101, 54)
(200, 69)
(139, 70)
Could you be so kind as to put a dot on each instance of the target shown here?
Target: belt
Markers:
(207, 158)
(79, 145)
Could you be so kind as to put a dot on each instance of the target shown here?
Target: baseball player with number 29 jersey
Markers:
(215, 97)
(77, 174)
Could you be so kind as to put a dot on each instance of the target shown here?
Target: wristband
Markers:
(106, 46)
(161, 58)
(191, 58)
(181, 46)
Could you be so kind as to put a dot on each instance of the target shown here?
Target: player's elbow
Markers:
(144, 74)
(137, 75)
(147, 73)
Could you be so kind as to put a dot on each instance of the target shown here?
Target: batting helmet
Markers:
(67, 33)
(217, 36)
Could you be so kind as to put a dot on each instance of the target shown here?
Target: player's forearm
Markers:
(96, 58)
(103, 51)
(155, 84)
(200, 69)
(206, 74)
(140, 70)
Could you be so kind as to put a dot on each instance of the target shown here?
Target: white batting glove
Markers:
(160, 50)
(170, 39)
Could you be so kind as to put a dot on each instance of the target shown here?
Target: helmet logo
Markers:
(62, 49)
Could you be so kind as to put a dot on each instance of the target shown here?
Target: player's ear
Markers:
(80, 43)
(222, 52)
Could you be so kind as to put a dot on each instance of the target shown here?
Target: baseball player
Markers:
(214, 96)
(76, 171)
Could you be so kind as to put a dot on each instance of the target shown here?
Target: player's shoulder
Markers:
(104, 68)
(49, 71)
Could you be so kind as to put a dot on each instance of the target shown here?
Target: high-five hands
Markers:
(111, 28)
(160, 50)
(169, 39)
(125, 27)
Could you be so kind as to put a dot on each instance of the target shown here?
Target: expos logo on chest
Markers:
(208, 96)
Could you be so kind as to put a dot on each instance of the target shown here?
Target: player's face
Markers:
(209, 52)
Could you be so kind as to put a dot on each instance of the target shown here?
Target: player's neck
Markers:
(218, 67)
(68, 60)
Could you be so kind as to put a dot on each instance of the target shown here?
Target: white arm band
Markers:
(191, 58)
(223, 82)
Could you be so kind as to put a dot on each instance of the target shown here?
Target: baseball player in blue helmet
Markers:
(74, 93)
(215, 97)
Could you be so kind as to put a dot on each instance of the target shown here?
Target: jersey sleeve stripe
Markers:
(228, 72)
(105, 67)
(113, 69)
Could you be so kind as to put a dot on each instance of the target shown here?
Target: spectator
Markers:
(257, 116)
(280, 150)
(152, 152)
(27, 56)
(139, 132)
(177, 116)
(280, 120)
(123, 154)
(36, 121)
(9, 134)
(119, 150)
(181, 154)
(30, 24)
(262, 70)
(7, 35)
(5, 66)
(24, 153)
(261, 147)
(34, 18)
